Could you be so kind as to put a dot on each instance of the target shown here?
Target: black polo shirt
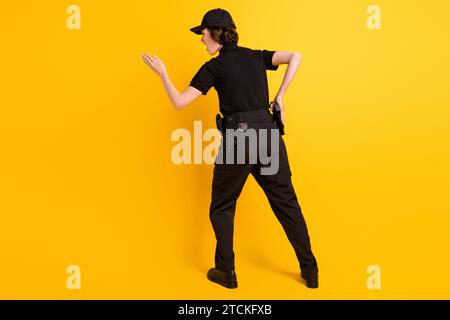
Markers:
(239, 76)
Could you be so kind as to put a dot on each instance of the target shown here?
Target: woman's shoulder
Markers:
(255, 51)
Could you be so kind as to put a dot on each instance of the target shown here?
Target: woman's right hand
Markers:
(279, 100)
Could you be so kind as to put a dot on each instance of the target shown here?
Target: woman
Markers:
(238, 74)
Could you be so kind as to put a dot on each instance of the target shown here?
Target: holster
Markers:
(276, 113)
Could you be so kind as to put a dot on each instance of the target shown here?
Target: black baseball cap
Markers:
(215, 18)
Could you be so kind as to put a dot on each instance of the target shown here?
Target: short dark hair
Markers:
(222, 35)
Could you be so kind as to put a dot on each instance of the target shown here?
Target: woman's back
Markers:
(239, 76)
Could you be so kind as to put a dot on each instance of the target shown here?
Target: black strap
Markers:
(262, 115)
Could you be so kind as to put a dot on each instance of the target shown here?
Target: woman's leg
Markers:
(283, 200)
(227, 184)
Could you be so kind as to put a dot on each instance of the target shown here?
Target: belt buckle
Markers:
(242, 126)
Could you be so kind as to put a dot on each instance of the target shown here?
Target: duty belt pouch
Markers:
(219, 123)
(242, 126)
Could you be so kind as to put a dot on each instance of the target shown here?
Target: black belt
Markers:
(261, 115)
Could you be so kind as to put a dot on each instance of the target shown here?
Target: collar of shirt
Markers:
(227, 46)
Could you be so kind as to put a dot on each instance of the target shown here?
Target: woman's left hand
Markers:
(155, 64)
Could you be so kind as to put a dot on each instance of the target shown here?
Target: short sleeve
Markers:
(203, 79)
(267, 56)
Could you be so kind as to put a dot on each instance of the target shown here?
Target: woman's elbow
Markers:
(179, 105)
(297, 56)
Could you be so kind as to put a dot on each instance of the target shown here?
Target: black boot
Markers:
(312, 282)
(225, 278)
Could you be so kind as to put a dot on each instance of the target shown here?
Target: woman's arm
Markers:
(178, 100)
(293, 60)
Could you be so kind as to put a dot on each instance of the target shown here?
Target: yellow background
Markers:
(87, 179)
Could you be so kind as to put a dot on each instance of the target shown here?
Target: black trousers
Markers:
(228, 181)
